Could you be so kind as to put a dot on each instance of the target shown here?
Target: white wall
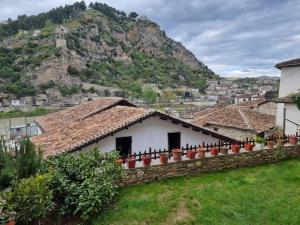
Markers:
(293, 114)
(289, 81)
(153, 132)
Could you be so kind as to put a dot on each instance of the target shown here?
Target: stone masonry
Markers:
(209, 164)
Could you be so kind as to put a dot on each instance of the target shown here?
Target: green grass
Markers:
(20, 113)
(268, 194)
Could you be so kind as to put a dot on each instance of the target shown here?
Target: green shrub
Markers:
(32, 198)
(260, 140)
(28, 158)
(85, 183)
(6, 211)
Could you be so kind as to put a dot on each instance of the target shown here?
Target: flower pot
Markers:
(177, 154)
(146, 160)
(201, 152)
(11, 223)
(293, 140)
(119, 161)
(248, 147)
(235, 148)
(270, 144)
(131, 163)
(214, 151)
(224, 150)
(259, 146)
(191, 154)
(163, 158)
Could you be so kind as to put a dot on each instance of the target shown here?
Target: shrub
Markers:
(85, 183)
(29, 160)
(32, 198)
(6, 212)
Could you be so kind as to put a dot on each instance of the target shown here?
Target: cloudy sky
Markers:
(234, 37)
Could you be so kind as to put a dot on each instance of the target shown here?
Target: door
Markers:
(174, 140)
(123, 145)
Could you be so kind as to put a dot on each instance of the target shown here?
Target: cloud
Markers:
(234, 38)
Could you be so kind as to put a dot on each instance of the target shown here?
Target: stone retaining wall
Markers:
(201, 165)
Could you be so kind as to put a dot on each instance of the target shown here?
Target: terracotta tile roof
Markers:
(289, 63)
(64, 117)
(235, 116)
(78, 133)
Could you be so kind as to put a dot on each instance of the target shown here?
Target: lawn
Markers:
(268, 194)
(20, 113)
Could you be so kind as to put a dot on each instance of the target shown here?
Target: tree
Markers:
(167, 96)
(133, 15)
(150, 95)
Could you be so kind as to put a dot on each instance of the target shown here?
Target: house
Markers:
(239, 121)
(242, 98)
(41, 100)
(288, 115)
(114, 123)
(18, 102)
(27, 130)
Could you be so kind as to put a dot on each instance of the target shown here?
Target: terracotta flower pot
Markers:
(270, 144)
(131, 163)
(293, 140)
(224, 150)
(235, 148)
(163, 158)
(11, 223)
(214, 151)
(249, 147)
(201, 152)
(146, 160)
(191, 154)
(119, 161)
(177, 154)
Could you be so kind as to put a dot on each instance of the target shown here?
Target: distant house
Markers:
(289, 83)
(239, 121)
(22, 131)
(41, 100)
(114, 123)
(18, 102)
(242, 98)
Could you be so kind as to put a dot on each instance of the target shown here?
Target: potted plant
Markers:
(235, 148)
(293, 140)
(214, 151)
(146, 160)
(270, 144)
(177, 154)
(260, 143)
(191, 154)
(163, 157)
(201, 152)
(119, 161)
(131, 162)
(248, 147)
(224, 150)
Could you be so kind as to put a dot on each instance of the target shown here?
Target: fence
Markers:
(155, 154)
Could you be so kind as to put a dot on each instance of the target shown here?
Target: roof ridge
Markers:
(244, 117)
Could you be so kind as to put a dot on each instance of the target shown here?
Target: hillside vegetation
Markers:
(104, 47)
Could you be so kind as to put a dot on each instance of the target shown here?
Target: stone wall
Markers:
(199, 165)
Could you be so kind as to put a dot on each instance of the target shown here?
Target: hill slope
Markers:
(104, 47)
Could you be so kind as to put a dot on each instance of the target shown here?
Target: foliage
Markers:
(6, 212)
(167, 96)
(67, 91)
(296, 99)
(108, 11)
(150, 95)
(266, 194)
(48, 85)
(85, 183)
(32, 198)
(19, 113)
(28, 159)
(260, 140)
(133, 15)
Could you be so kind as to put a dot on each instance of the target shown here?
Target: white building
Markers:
(18, 102)
(114, 123)
(289, 83)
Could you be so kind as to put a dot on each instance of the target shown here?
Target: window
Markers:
(174, 140)
(123, 145)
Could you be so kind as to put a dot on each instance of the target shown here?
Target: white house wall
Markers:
(293, 114)
(153, 132)
(289, 81)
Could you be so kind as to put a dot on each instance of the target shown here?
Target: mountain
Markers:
(77, 49)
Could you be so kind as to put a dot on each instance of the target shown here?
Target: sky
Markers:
(235, 38)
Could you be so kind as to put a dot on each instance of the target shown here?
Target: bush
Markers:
(85, 183)
(32, 198)
(6, 212)
(29, 160)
